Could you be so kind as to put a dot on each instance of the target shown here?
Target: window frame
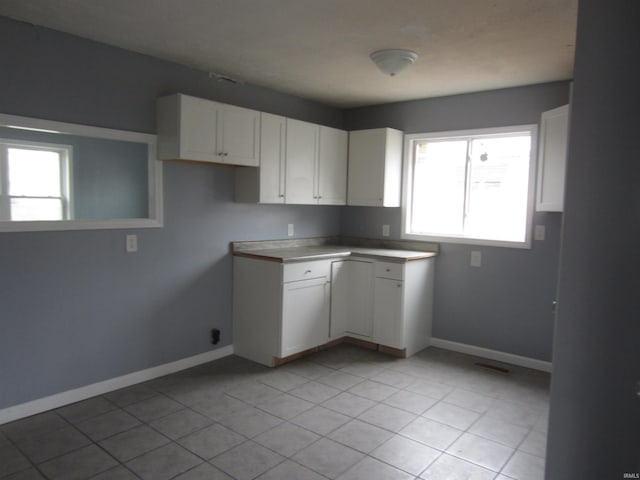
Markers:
(66, 164)
(155, 218)
(409, 147)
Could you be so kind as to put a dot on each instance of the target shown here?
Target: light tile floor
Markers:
(345, 413)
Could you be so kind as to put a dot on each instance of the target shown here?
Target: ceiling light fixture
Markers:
(392, 62)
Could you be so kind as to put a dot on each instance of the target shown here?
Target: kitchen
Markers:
(120, 314)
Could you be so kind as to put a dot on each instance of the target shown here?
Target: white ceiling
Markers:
(319, 49)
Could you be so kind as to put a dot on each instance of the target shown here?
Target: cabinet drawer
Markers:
(390, 270)
(294, 272)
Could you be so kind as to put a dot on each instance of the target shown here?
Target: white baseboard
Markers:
(492, 354)
(71, 396)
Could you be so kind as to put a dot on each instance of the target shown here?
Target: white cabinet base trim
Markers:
(492, 354)
(77, 394)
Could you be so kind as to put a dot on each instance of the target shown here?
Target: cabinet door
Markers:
(360, 292)
(339, 299)
(332, 166)
(554, 130)
(351, 298)
(387, 313)
(305, 315)
(239, 139)
(301, 160)
(198, 121)
(375, 167)
(272, 145)
(366, 167)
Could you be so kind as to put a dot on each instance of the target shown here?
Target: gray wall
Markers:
(505, 304)
(595, 412)
(74, 307)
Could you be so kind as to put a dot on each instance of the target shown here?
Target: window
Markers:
(470, 187)
(34, 181)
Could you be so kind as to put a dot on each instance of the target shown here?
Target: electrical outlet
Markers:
(132, 243)
(215, 336)
(476, 258)
(290, 229)
(539, 232)
(386, 230)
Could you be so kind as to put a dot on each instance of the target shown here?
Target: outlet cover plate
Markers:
(476, 258)
(132, 243)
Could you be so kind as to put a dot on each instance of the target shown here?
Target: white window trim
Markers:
(66, 166)
(409, 143)
(156, 217)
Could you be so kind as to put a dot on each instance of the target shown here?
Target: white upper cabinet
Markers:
(265, 184)
(331, 178)
(552, 159)
(191, 128)
(272, 158)
(239, 135)
(301, 162)
(316, 164)
(375, 167)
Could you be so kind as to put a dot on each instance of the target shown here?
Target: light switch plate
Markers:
(476, 258)
(290, 229)
(539, 232)
(132, 243)
(386, 230)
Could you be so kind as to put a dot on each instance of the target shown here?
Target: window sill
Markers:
(41, 226)
(467, 241)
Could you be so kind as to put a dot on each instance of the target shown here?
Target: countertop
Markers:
(284, 253)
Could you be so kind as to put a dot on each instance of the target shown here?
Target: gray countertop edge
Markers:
(335, 241)
(319, 248)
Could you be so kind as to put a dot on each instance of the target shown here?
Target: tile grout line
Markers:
(255, 377)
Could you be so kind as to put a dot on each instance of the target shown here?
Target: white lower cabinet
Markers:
(403, 300)
(305, 315)
(383, 302)
(387, 327)
(351, 299)
(279, 309)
